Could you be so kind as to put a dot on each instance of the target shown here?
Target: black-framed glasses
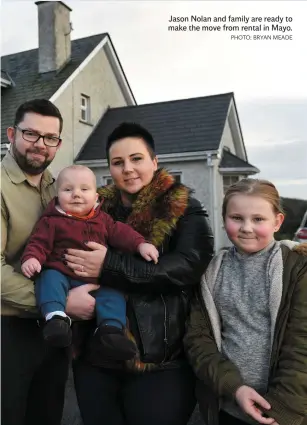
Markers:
(32, 136)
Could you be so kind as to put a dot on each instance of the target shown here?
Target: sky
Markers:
(268, 77)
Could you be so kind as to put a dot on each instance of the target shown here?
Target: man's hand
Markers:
(149, 252)
(30, 267)
(247, 398)
(80, 304)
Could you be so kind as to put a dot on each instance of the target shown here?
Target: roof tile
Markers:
(229, 160)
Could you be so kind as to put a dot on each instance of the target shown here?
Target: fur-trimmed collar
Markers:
(300, 248)
(157, 208)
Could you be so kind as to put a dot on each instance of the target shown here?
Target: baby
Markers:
(70, 219)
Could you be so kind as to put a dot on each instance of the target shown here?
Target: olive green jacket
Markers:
(218, 377)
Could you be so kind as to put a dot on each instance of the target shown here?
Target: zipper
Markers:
(165, 329)
(165, 339)
(141, 341)
(184, 300)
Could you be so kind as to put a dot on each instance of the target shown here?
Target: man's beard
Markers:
(28, 166)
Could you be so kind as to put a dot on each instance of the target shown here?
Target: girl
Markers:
(247, 332)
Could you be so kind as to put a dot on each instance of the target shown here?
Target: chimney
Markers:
(54, 30)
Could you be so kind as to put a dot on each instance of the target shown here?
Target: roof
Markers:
(29, 84)
(4, 74)
(188, 125)
(6, 80)
(39, 2)
(230, 161)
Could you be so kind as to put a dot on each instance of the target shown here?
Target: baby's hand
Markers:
(149, 252)
(30, 267)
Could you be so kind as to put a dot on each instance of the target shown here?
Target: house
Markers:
(83, 78)
(199, 140)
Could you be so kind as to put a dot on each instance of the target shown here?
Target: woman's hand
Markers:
(248, 398)
(80, 304)
(86, 263)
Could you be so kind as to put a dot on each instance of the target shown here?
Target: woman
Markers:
(157, 386)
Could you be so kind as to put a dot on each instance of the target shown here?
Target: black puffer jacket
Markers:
(159, 294)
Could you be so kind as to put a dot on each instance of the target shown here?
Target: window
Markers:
(177, 176)
(85, 108)
(229, 180)
(107, 180)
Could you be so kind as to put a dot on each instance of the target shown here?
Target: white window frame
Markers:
(233, 178)
(106, 180)
(86, 108)
(177, 174)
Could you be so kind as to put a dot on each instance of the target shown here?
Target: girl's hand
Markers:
(247, 398)
(86, 263)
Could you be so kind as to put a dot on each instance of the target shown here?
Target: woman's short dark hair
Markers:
(128, 129)
(38, 106)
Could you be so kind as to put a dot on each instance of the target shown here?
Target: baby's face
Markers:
(77, 192)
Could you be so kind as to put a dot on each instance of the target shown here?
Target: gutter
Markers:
(169, 157)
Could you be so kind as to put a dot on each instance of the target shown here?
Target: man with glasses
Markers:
(33, 375)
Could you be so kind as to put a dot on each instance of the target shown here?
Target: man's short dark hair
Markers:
(127, 129)
(38, 106)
